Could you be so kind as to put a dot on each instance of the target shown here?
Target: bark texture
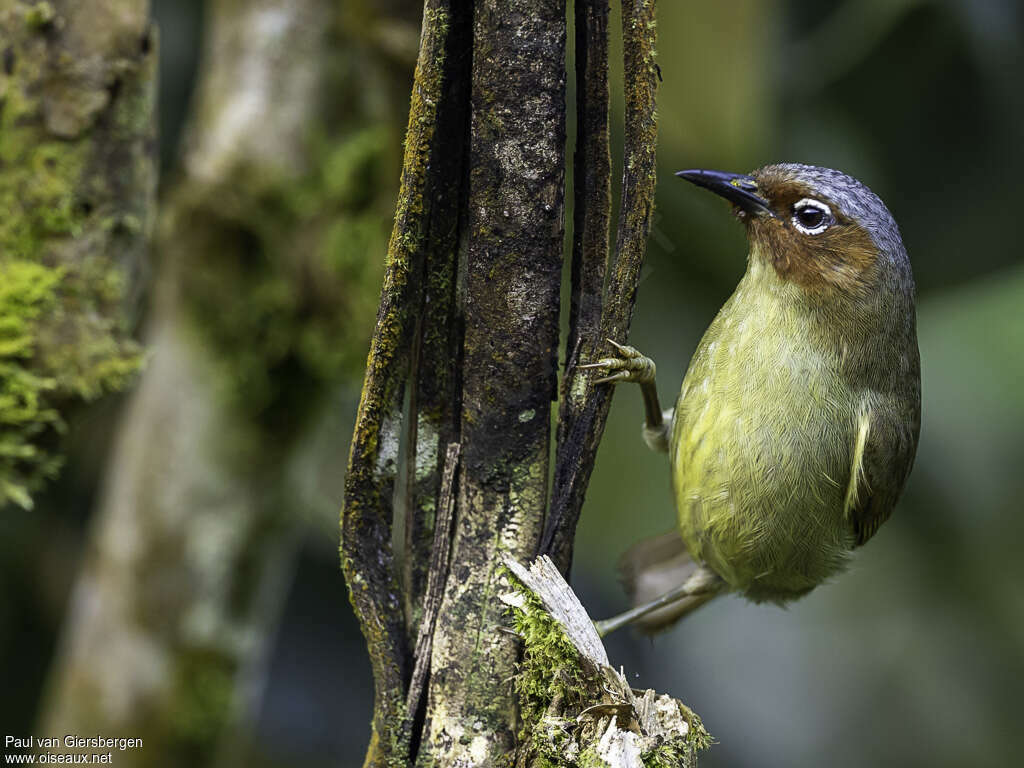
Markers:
(279, 197)
(466, 345)
(420, 277)
(512, 276)
(77, 178)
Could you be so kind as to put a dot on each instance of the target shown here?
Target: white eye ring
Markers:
(826, 218)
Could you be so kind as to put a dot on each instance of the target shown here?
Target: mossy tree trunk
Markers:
(469, 315)
(513, 265)
(77, 181)
(263, 279)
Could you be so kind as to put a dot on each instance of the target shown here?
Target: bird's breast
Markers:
(761, 446)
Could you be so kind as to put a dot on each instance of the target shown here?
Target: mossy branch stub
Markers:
(575, 709)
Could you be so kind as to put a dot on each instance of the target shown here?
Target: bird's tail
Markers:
(652, 567)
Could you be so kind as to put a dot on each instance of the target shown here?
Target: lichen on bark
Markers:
(77, 179)
(419, 268)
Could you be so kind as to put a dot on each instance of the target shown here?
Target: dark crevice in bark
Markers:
(576, 461)
(591, 216)
(436, 379)
(437, 579)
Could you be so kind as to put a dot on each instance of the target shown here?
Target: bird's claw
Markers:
(629, 365)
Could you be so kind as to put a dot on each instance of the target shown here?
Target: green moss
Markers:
(37, 185)
(666, 756)
(28, 292)
(200, 706)
(554, 686)
(551, 667)
(40, 15)
(63, 333)
(52, 349)
(551, 673)
(680, 751)
(698, 738)
(303, 257)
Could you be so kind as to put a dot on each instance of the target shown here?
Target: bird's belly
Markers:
(759, 471)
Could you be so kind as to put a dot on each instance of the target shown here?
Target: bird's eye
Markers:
(812, 217)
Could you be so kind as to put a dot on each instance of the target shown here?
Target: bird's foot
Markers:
(629, 364)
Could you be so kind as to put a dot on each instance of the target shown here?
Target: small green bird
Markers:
(797, 421)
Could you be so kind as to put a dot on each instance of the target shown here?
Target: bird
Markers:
(798, 418)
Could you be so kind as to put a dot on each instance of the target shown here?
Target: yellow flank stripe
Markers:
(857, 471)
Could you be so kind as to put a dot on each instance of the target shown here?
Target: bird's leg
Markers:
(701, 587)
(630, 365)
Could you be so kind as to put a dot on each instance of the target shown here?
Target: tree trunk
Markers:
(77, 177)
(482, 201)
(256, 325)
(513, 266)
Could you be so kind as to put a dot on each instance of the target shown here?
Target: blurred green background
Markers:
(913, 658)
(916, 656)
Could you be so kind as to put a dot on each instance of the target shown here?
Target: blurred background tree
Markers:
(915, 658)
(263, 296)
(77, 176)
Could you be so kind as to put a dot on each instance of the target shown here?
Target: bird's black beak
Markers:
(738, 189)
